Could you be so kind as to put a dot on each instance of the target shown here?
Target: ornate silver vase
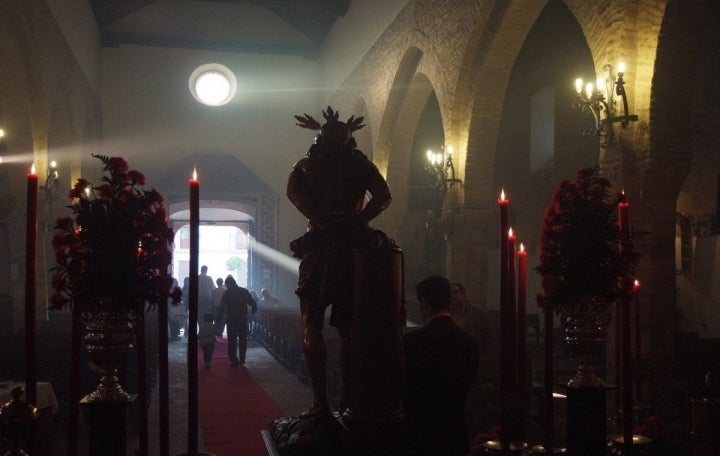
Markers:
(586, 322)
(108, 339)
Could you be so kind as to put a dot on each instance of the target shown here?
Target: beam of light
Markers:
(18, 158)
(286, 262)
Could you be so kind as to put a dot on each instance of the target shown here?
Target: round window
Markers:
(213, 84)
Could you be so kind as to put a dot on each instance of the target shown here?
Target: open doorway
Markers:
(224, 249)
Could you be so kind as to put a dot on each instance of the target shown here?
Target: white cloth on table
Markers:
(44, 391)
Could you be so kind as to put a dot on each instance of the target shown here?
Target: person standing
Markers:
(175, 314)
(469, 317)
(268, 301)
(234, 307)
(441, 361)
(206, 338)
(205, 289)
(186, 304)
(216, 297)
(481, 400)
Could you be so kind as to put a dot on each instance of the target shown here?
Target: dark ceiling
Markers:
(289, 27)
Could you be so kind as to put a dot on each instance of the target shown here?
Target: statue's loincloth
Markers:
(326, 255)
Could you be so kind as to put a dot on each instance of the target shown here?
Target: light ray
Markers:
(283, 260)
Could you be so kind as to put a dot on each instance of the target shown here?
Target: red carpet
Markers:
(232, 407)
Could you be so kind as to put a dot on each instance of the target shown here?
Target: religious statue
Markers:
(328, 187)
(357, 271)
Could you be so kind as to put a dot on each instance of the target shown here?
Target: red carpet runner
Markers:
(232, 407)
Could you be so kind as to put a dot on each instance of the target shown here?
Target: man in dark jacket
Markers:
(441, 361)
(234, 305)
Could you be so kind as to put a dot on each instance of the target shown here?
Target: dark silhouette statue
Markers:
(329, 187)
(356, 271)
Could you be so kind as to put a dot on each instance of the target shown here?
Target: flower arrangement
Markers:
(113, 253)
(582, 251)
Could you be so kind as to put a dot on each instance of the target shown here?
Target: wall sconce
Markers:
(440, 166)
(600, 102)
(51, 182)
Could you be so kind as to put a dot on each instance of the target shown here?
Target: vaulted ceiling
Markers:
(288, 27)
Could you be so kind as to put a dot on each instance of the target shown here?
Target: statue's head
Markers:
(333, 131)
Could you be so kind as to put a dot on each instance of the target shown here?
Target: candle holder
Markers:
(496, 447)
(638, 446)
(18, 420)
(600, 102)
(540, 449)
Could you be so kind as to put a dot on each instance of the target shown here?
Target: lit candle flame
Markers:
(522, 247)
(194, 176)
(32, 169)
(510, 232)
(502, 194)
(636, 285)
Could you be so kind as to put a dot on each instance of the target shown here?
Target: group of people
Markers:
(221, 304)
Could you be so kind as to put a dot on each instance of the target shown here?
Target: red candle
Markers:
(623, 211)
(627, 373)
(506, 322)
(623, 214)
(192, 315)
(521, 332)
(549, 377)
(30, 286)
(512, 297)
(638, 338)
(512, 333)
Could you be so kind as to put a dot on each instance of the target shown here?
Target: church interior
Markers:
(488, 85)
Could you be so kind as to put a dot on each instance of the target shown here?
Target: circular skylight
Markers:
(213, 84)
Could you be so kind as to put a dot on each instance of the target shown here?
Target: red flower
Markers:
(96, 250)
(582, 251)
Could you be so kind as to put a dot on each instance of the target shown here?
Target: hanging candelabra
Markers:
(599, 100)
(440, 166)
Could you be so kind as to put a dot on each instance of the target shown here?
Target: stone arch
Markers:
(484, 74)
(661, 167)
(363, 137)
(416, 95)
(403, 76)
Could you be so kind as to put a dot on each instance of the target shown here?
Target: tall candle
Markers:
(638, 339)
(623, 214)
(506, 373)
(192, 315)
(618, 355)
(521, 333)
(30, 287)
(512, 303)
(627, 394)
(163, 379)
(549, 377)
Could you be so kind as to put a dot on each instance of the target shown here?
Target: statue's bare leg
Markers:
(344, 356)
(315, 353)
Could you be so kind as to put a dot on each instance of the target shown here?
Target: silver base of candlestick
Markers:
(512, 449)
(540, 449)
